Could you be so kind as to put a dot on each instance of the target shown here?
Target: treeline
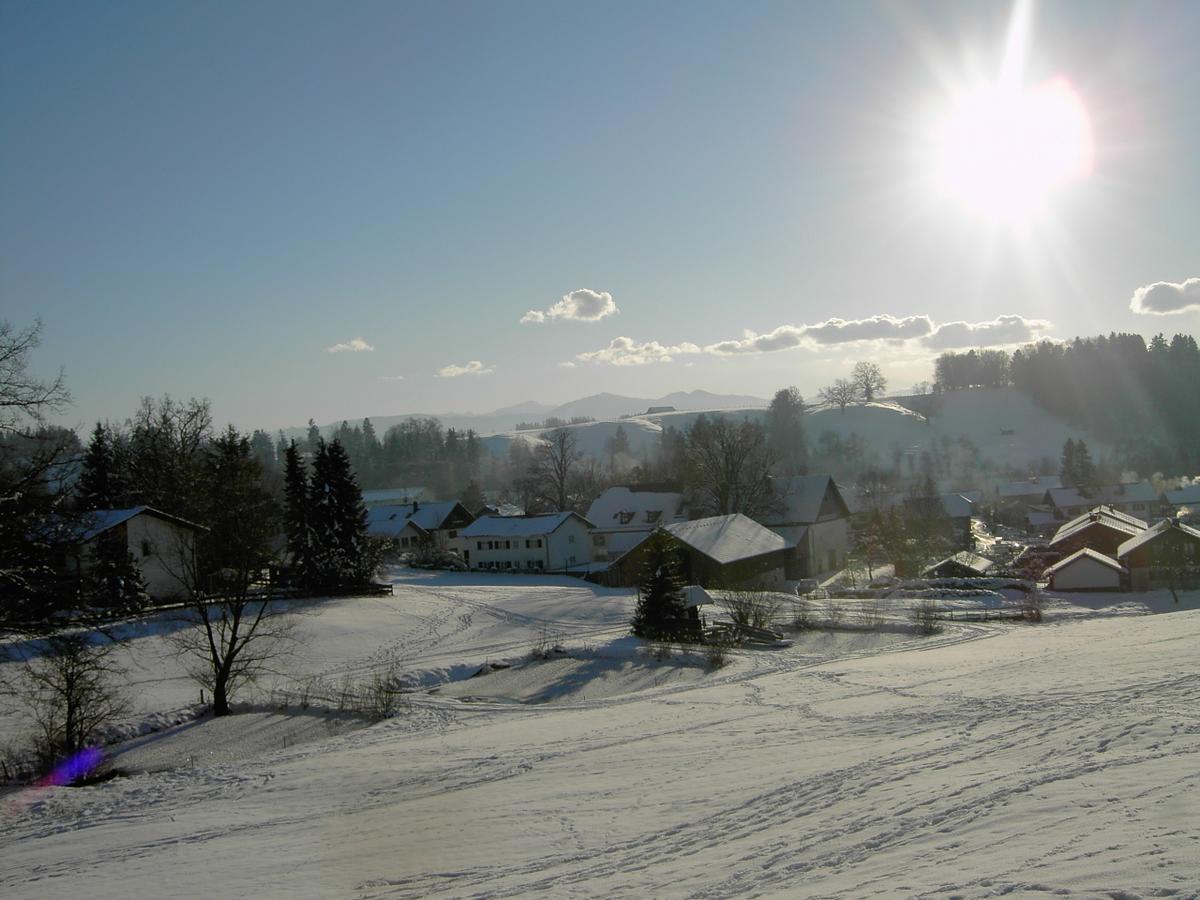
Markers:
(1141, 397)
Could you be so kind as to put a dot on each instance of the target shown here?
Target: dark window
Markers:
(453, 534)
(147, 548)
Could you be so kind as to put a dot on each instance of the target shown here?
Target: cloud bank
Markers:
(624, 351)
(1165, 298)
(354, 345)
(474, 367)
(583, 305)
(919, 333)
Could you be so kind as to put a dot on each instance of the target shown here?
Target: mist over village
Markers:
(679, 450)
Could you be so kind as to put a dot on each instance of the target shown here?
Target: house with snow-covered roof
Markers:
(1168, 543)
(552, 542)
(1102, 529)
(162, 545)
(1029, 491)
(1138, 499)
(964, 564)
(419, 525)
(811, 513)
(622, 517)
(1085, 570)
(718, 551)
(1183, 501)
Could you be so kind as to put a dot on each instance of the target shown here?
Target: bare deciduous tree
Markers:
(840, 394)
(554, 466)
(868, 380)
(729, 465)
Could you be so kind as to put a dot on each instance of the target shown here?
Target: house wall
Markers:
(1097, 536)
(568, 545)
(1086, 575)
(163, 551)
(609, 545)
(829, 544)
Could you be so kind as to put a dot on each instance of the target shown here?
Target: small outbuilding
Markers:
(162, 545)
(961, 565)
(1085, 570)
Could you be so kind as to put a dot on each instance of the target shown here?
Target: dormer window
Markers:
(653, 515)
(625, 517)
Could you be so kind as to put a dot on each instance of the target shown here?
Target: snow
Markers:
(622, 509)
(727, 539)
(1102, 515)
(987, 760)
(1153, 532)
(517, 526)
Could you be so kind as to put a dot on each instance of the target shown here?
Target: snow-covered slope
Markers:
(1051, 760)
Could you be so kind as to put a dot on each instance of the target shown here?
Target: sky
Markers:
(335, 210)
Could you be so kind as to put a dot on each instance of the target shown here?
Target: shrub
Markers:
(925, 618)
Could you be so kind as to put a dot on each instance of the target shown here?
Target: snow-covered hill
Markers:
(1051, 760)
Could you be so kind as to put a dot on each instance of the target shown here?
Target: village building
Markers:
(162, 545)
(956, 509)
(1183, 502)
(961, 565)
(553, 542)
(419, 526)
(1167, 545)
(1029, 491)
(622, 517)
(718, 551)
(812, 515)
(1085, 570)
(1102, 529)
(1138, 499)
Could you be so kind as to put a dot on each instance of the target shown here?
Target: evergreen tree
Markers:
(115, 580)
(1068, 467)
(1086, 477)
(661, 614)
(339, 551)
(296, 515)
(99, 485)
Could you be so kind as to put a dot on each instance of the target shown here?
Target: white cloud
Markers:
(1001, 331)
(785, 337)
(1165, 298)
(583, 305)
(567, 365)
(875, 328)
(391, 377)
(474, 367)
(624, 351)
(354, 345)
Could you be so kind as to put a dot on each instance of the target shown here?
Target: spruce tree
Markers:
(115, 580)
(297, 515)
(99, 485)
(338, 521)
(661, 614)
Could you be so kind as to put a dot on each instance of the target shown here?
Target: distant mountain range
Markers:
(597, 406)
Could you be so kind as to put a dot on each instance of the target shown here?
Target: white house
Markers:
(554, 542)
(622, 517)
(1085, 570)
(420, 525)
(812, 515)
(162, 545)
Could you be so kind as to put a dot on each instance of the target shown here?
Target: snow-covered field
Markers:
(987, 760)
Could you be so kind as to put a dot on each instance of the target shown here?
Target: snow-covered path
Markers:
(1058, 758)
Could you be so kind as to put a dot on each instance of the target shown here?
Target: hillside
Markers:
(985, 761)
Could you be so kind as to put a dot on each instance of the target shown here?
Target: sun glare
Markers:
(1003, 148)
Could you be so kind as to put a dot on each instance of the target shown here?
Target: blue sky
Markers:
(202, 199)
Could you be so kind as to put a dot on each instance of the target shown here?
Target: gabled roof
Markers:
(1137, 492)
(1104, 516)
(1189, 495)
(728, 539)
(1085, 553)
(626, 509)
(388, 521)
(964, 558)
(1154, 532)
(98, 521)
(801, 497)
(957, 506)
(1029, 487)
(953, 506)
(519, 526)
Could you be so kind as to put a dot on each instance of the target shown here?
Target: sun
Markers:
(1003, 150)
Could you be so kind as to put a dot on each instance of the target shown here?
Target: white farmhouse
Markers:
(162, 545)
(554, 542)
(622, 517)
(812, 516)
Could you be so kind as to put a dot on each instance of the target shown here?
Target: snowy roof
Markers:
(695, 595)
(1085, 553)
(957, 506)
(1029, 487)
(1184, 496)
(1101, 515)
(727, 539)
(1151, 533)
(100, 520)
(518, 526)
(801, 497)
(623, 509)
(1137, 492)
(965, 558)
(389, 521)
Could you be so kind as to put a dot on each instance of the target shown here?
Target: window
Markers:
(626, 517)
(1139, 506)
(597, 540)
(147, 548)
(453, 534)
(403, 542)
(653, 515)
(479, 545)
(570, 538)
(539, 542)
(508, 545)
